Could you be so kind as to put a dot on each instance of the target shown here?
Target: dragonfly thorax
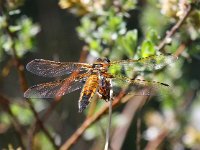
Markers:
(97, 65)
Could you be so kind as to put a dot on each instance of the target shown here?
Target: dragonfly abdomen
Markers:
(88, 91)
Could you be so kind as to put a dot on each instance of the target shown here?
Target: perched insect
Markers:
(99, 77)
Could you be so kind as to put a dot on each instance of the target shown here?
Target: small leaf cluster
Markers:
(105, 31)
(18, 34)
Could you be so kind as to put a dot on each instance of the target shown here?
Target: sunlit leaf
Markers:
(147, 49)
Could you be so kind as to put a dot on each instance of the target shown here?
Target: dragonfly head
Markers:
(103, 60)
(106, 60)
(101, 64)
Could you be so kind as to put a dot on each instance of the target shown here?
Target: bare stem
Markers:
(89, 121)
(5, 104)
(107, 144)
(21, 74)
(174, 29)
(138, 136)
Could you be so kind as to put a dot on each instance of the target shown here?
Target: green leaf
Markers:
(14, 28)
(131, 42)
(128, 43)
(114, 22)
(95, 45)
(152, 35)
(147, 49)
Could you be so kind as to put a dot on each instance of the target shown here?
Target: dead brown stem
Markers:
(5, 104)
(89, 121)
(167, 39)
(97, 116)
(128, 114)
(155, 143)
(22, 78)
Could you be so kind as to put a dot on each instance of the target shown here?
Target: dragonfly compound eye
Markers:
(106, 60)
(99, 60)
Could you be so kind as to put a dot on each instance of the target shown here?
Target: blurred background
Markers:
(83, 30)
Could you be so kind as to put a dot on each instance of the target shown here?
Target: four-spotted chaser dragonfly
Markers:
(98, 77)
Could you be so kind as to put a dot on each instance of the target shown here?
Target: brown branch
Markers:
(180, 49)
(166, 40)
(155, 143)
(103, 111)
(5, 104)
(22, 78)
(53, 105)
(93, 119)
(128, 113)
(89, 121)
(164, 132)
(121, 98)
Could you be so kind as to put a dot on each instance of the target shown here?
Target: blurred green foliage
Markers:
(23, 31)
(42, 142)
(106, 33)
(19, 110)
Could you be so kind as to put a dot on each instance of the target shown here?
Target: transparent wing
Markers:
(138, 86)
(51, 89)
(149, 63)
(49, 68)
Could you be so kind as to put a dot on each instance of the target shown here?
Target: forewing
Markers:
(138, 87)
(149, 63)
(50, 89)
(49, 68)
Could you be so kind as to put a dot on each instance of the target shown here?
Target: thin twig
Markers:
(96, 117)
(128, 113)
(180, 49)
(138, 137)
(107, 144)
(43, 128)
(5, 103)
(53, 105)
(89, 121)
(155, 143)
(166, 40)
(23, 82)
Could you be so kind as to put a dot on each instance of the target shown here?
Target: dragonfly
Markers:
(99, 77)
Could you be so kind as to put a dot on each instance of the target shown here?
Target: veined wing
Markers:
(148, 63)
(49, 68)
(51, 89)
(138, 86)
